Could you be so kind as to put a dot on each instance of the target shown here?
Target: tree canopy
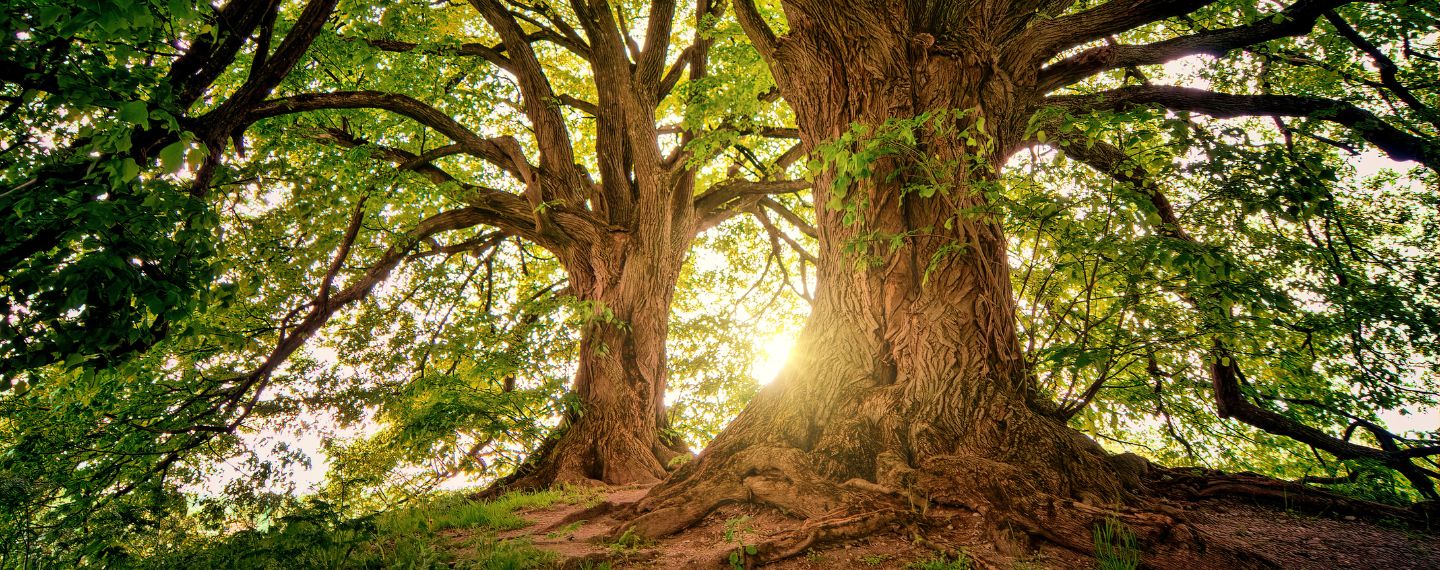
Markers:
(472, 241)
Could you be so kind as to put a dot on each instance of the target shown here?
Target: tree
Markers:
(909, 390)
(621, 236)
(605, 163)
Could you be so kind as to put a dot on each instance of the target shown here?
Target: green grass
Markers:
(408, 538)
(1115, 546)
(565, 530)
(941, 562)
(456, 511)
(630, 541)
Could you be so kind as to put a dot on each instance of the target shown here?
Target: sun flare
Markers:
(772, 353)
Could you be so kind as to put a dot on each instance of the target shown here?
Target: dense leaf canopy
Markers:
(231, 229)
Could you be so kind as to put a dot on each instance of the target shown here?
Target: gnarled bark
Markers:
(907, 390)
(615, 437)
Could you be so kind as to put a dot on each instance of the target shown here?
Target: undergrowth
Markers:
(942, 562)
(449, 531)
(1116, 547)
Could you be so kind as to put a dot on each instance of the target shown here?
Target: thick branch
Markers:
(556, 153)
(488, 149)
(1231, 403)
(1049, 38)
(1295, 20)
(211, 54)
(721, 195)
(1113, 162)
(229, 118)
(1398, 144)
(650, 66)
(757, 30)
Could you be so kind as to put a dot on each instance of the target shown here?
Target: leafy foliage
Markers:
(317, 536)
(154, 258)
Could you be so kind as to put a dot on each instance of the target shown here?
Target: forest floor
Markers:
(1287, 538)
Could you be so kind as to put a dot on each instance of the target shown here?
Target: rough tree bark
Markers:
(908, 377)
(616, 436)
(906, 392)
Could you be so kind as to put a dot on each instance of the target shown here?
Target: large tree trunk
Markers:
(613, 435)
(906, 389)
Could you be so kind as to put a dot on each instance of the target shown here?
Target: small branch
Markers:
(672, 77)
(1225, 372)
(719, 196)
(432, 155)
(790, 216)
(1387, 67)
(420, 112)
(503, 210)
(351, 231)
(492, 54)
(775, 232)
(584, 106)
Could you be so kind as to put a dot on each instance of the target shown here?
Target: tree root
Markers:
(1202, 484)
(820, 531)
(1017, 507)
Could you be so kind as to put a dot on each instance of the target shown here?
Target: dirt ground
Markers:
(1286, 538)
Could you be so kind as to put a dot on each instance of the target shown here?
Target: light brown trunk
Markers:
(614, 433)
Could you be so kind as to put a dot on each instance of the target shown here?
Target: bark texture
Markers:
(615, 436)
(622, 234)
(906, 393)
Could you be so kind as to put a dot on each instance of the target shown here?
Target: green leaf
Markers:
(135, 112)
(172, 157)
(129, 170)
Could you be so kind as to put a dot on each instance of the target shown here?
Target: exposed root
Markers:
(1199, 484)
(816, 532)
(1165, 538)
(673, 516)
(591, 513)
(1019, 506)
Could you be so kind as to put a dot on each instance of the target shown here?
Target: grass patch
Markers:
(410, 538)
(565, 530)
(942, 562)
(457, 511)
(629, 542)
(1115, 546)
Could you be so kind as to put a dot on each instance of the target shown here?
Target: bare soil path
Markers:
(582, 537)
